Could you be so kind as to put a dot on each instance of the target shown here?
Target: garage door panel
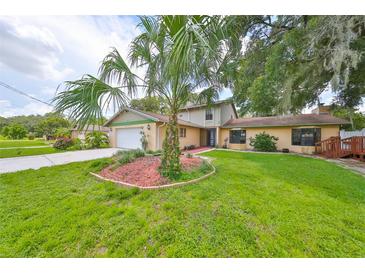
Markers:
(129, 138)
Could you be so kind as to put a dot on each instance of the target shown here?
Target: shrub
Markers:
(225, 143)
(189, 155)
(62, 132)
(264, 142)
(205, 167)
(144, 140)
(14, 131)
(77, 144)
(138, 153)
(63, 143)
(31, 136)
(189, 147)
(126, 158)
(96, 139)
(154, 153)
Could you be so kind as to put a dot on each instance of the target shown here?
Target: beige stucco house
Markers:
(220, 126)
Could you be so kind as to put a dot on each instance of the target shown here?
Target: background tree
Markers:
(180, 54)
(49, 126)
(356, 118)
(298, 57)
(30, 122)
(148, 103)
(14, 131)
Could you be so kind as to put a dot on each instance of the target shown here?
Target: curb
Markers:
(209, 160)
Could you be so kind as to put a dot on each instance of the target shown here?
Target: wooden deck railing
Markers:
(334, 147)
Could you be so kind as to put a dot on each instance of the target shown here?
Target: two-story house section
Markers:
(218, 125)
(211, 119)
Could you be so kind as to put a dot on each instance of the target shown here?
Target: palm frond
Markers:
(86, 99)
(114, 69)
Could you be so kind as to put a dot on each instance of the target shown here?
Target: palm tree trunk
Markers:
(170, 161)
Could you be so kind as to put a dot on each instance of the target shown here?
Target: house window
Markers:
(305, 136)
(208, 114)
(182, 132)
(237, 136)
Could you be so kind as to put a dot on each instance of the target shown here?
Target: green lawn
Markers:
(257, 205)
(22, 143)
(17, 152)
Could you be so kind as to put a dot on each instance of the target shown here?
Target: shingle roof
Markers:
(280, 121)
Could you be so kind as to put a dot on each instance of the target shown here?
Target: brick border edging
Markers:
(209, 160)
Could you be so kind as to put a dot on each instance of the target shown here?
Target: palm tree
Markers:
(180, 54)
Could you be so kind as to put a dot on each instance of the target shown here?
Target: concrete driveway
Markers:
(38, 161)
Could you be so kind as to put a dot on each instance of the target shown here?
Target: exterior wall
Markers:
(224, 133)
(227, 113)
(284, 135)
(221, 114)
(192, 136)
(150, 134)
(197, 116)
(127, 116)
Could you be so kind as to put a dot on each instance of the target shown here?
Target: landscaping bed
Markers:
(143, 171)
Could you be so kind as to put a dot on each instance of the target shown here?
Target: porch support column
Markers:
(217, 136)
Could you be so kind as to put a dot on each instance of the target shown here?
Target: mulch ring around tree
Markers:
(143, 172)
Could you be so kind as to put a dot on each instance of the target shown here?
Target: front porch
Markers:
(335, 147)
(209, 137)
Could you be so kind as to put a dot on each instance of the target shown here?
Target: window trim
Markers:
(241, 141)
(183, 131)
(208, 114)
(317, 131)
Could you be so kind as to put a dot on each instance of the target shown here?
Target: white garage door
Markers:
(129, 138)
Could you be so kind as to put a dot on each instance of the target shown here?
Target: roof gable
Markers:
(128, 114)
(145, 117)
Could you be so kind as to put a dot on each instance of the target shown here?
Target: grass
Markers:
(17, 152)
(256, 205)
(195, 173)
(22, 143)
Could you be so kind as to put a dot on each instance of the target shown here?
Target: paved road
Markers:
(38, 161)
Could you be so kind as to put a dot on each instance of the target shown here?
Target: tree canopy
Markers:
(148, 103)
(290, 60)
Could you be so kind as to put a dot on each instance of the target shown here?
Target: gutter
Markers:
(268, 126)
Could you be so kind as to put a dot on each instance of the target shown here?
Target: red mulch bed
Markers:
(144, 171)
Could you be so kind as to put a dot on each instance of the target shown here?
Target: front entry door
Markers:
(211, 137)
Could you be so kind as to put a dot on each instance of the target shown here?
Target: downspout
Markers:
(158, 135)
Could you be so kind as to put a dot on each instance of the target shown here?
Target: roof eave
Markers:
(132, 110)
(289, 125)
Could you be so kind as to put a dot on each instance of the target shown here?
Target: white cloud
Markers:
(53, 49)
(89, 38)
(30, 49)
(7, 109)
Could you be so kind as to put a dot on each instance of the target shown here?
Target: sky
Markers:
(38, 53)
